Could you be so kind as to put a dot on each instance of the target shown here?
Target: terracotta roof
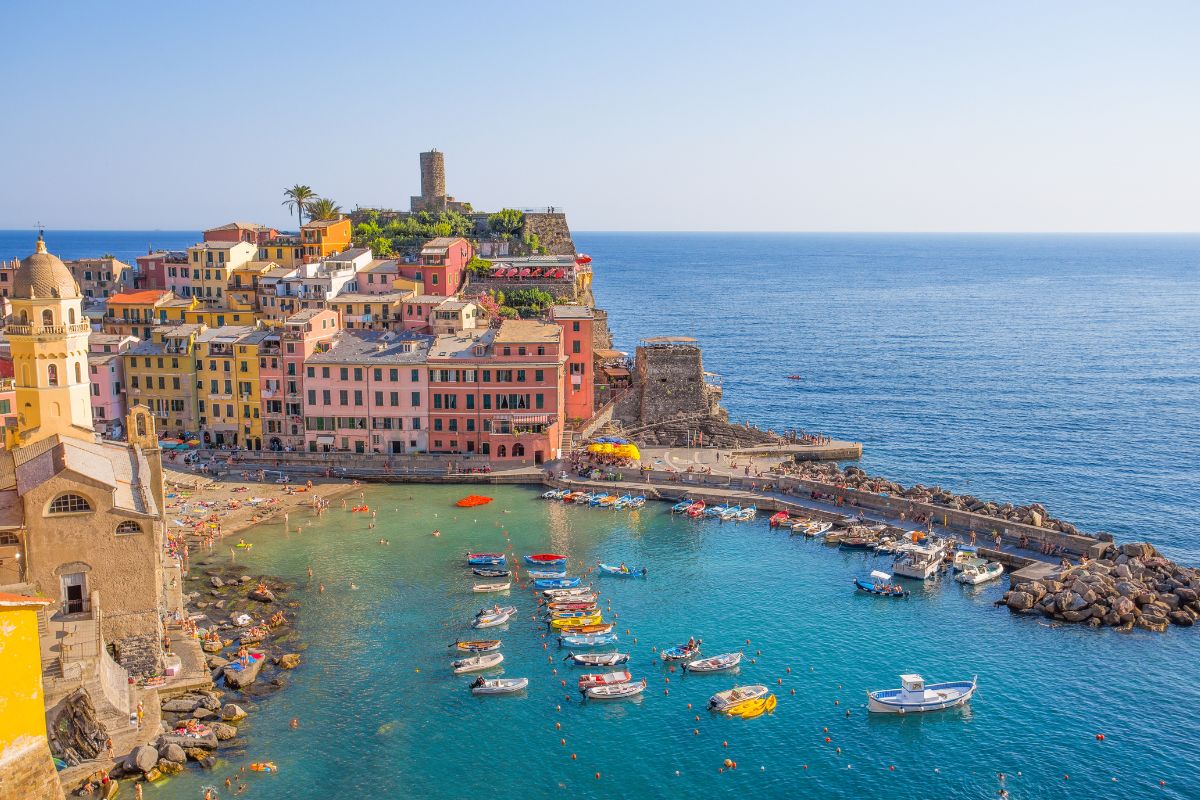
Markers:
(143, 296)
(10, 600)
(42, 275)
(321, 223)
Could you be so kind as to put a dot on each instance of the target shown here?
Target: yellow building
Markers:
(219, 316)
(160, 372)
(136, 313)
(324, 237)
(211, 264)
(26, 767)
(229, 401)
(243, 284)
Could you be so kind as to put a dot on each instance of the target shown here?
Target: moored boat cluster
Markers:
(1131, 586)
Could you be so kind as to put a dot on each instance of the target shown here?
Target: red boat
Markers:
(696, 509)
(545, 558)
(778, 519)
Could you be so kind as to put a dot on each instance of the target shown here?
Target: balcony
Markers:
(48, 330)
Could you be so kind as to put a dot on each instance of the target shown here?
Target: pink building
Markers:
(155, 270)
(241, 232)
(576, 322)
(108, 391)
(498, 392)
(442, 267)
(282, 355)
(366, 393)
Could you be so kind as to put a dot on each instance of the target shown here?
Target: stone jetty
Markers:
(1128, 586)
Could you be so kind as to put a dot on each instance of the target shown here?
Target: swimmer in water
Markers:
(310, 572)
(353, 585)
(295, 723)
(437, 534)
(320, 587)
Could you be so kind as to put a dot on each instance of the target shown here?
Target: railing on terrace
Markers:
(44, 330)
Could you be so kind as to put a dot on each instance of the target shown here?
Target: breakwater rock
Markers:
(853, 477)
(1130, 586)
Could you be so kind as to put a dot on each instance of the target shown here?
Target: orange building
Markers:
(324, 237)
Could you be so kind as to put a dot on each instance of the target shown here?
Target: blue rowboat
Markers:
(485, 559)
(586, 640)
(880, 584)
(681, 507)
(679, 653)
(537, 574)
(624, 572)
(557, 583)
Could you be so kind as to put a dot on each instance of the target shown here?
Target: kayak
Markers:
(597, 659)
(485, 559)
(557, 583)
(623, 571)
(719, 663)
(606, 679)
(491, 620)
(490, 573)
(477, 646)
(680, 653)
(545, 559)
(586, 639)
(739, 694)
(540, 574)
(491, 587)
(498, 685)
(476, 663)
(616, 691)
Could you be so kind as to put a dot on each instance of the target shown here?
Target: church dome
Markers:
(42, 276)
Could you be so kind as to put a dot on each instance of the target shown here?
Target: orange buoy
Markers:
(1099, 737)
(827, 740)
(563, 742)
(689, 706)
(558, 726)
(564, 683)
(724, 744)
(597, 776)
(574, 757)
(793, 691)
(697, 718)
(729, 763)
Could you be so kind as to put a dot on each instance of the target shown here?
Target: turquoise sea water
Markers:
(372, 726)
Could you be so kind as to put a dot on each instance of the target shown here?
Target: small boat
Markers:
(729, 698)
(540, 574)
(746, 514)
(557, 583)
(606, 679)
(680, 652)
(780, 519)
(681, 507)
(562, 595)
(573, 605)
(715, 511)
(812, 528)
(476, 663)
(914, 696)
(360, 509)
(975, 574)
(485, 559)
(616, 691)
(586, 639)
(575, 622)
(880, 584)
(608, 501)
(721, 663)
(477, 646)
(964, 555)
(484, 572)
(622, 502)
(597, 498)
(585, 498)
(795, 377)
(637, 502)
(696, 509)
(595, 627)
(573, 613)
(545, 559)
(264, 766)
(729, 513)
(551, 495)
(491, 620)
(858, 543)
(918, 561)
(470, 501)
(498, 685)
(749, 709)
(623, 571)
(491, 587)
(597, 659)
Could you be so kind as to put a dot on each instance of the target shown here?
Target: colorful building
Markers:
(136, 313)
(160, 269)
(371, 312)
(26, 766)
(382, 276)
(322, 238)
(442, 267)
(249, 232)
(160, 373)
(579, 392)
(211, 264)
(242, 291)
(99, 278)
(105, 371)
(365, 393)
(228, 399)
(282, 355)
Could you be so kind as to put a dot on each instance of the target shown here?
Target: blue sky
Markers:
(877, 116)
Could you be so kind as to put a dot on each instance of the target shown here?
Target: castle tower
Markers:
(48, 336)
(433, 174)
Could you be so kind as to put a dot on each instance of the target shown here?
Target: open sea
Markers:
(1061, 369)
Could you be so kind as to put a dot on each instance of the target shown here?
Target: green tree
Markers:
(479, 266)
(506, 222)
(322, 208)
(381, 247)
(367, 231)
(298, 198)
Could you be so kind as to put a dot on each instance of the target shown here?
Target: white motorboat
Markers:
(810, 527)
(975, 574)
(491, 620)
(491, 587)
(738, 694)
(721, 663)
(597, 659)
(496, 610)
(914, 696)
(477, 663)
(963, 556)
(498, 685)
(917, 560)
(616, 691)
(563, 594)
(605, 679)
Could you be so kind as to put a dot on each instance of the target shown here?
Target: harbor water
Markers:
(381, 716)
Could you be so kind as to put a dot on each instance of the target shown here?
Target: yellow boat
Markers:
(579, 630)
(749, 709)
(575, 622)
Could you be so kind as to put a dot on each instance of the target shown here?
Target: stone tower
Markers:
(433, 174)
(49, 340)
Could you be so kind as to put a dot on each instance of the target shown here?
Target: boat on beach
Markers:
(616, 691)
(491, 587)
(476, 663)
(597, 659)
(738, 694)
(914, 696)
(880, 584)
(498, 685)
(623, 570)
(721, 663)
(975, 574)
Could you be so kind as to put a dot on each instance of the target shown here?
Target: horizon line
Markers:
(711, 231)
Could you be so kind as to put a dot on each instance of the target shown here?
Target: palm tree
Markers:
(322, 208)
(298, 198)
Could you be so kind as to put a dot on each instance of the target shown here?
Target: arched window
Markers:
(518, 450)
(501, 451)
(69, 504)
(129, 526)
(71, 316)
(24, 317)
(52, 374)
(78, 373)
(47, 317)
